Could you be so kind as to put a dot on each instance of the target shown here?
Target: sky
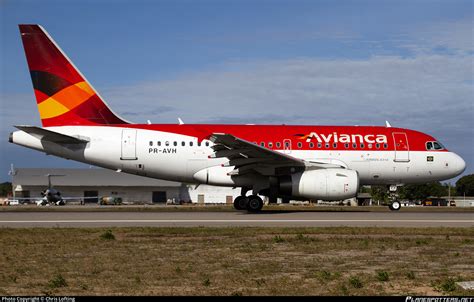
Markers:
(261, 62)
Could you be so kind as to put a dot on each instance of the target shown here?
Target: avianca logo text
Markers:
(346, 138)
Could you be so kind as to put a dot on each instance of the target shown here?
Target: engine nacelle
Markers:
(324, 184)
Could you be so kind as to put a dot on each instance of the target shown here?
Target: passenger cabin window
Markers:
(158, 143)
(191, 144)
(207, 144)
(300, 145)
(262, 144)
(287, 144)
(334, 145)
(319, 145)
(385, 146)
(311, 145)
(362, 146)
(326, 145)
(151, 144)
(270, 145)
(346, 145)
(278, 145)
(377, 146)
(175, 144)
(183, 144)
(167, 143)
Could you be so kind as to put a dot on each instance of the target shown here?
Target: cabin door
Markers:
(402, 149)
(129, 144)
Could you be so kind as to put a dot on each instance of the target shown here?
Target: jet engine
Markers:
(324, 184)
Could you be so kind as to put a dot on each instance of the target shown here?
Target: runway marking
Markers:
(233, 220)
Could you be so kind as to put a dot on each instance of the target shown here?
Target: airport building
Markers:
(30, 182)
(96, 182)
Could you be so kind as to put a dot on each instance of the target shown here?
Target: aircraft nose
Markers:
(458, 165)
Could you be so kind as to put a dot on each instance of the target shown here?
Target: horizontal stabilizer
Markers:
(51, 136)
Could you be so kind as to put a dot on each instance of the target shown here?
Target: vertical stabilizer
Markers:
(63, 94)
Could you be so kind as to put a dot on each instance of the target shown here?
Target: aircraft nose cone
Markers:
(459, 165)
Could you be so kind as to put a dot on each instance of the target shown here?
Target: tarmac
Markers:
(236, 219)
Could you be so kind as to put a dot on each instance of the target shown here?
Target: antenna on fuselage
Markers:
(180, 121)
(387, 124)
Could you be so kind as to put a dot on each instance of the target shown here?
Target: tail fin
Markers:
(63, 94)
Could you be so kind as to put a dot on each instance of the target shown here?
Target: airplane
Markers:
(291, 162)
(51, 196)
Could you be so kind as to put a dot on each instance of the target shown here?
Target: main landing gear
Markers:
(252, 203)
(240, 203)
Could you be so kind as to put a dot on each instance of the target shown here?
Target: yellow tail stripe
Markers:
(51, 108)
(65, 100)
(84, 86)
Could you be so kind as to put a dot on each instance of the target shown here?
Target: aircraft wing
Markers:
(51, 136)
(249, 157)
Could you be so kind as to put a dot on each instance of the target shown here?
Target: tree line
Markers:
(463, 187)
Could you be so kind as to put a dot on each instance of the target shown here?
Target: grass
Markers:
(107, 235)
(410, 275)
(57, 281)
(235, 261)
(382, 276)
(355, 282)
(447, 285)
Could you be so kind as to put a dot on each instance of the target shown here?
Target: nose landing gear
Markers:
(395, 205)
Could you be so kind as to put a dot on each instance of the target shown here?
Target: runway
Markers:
(235, 219)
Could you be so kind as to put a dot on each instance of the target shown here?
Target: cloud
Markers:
(309, 90)
(450, 37)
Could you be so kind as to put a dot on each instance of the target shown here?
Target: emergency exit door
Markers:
(129, 144)
(402, 149)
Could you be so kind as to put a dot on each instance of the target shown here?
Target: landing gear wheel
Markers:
(240, 203)
(395, 206)
(255, 204)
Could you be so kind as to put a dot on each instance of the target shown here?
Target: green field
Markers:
(236, 261)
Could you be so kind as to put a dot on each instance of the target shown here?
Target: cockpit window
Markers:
(434, 146)
(438, 146)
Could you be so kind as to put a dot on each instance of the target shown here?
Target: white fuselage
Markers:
(178, 157)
